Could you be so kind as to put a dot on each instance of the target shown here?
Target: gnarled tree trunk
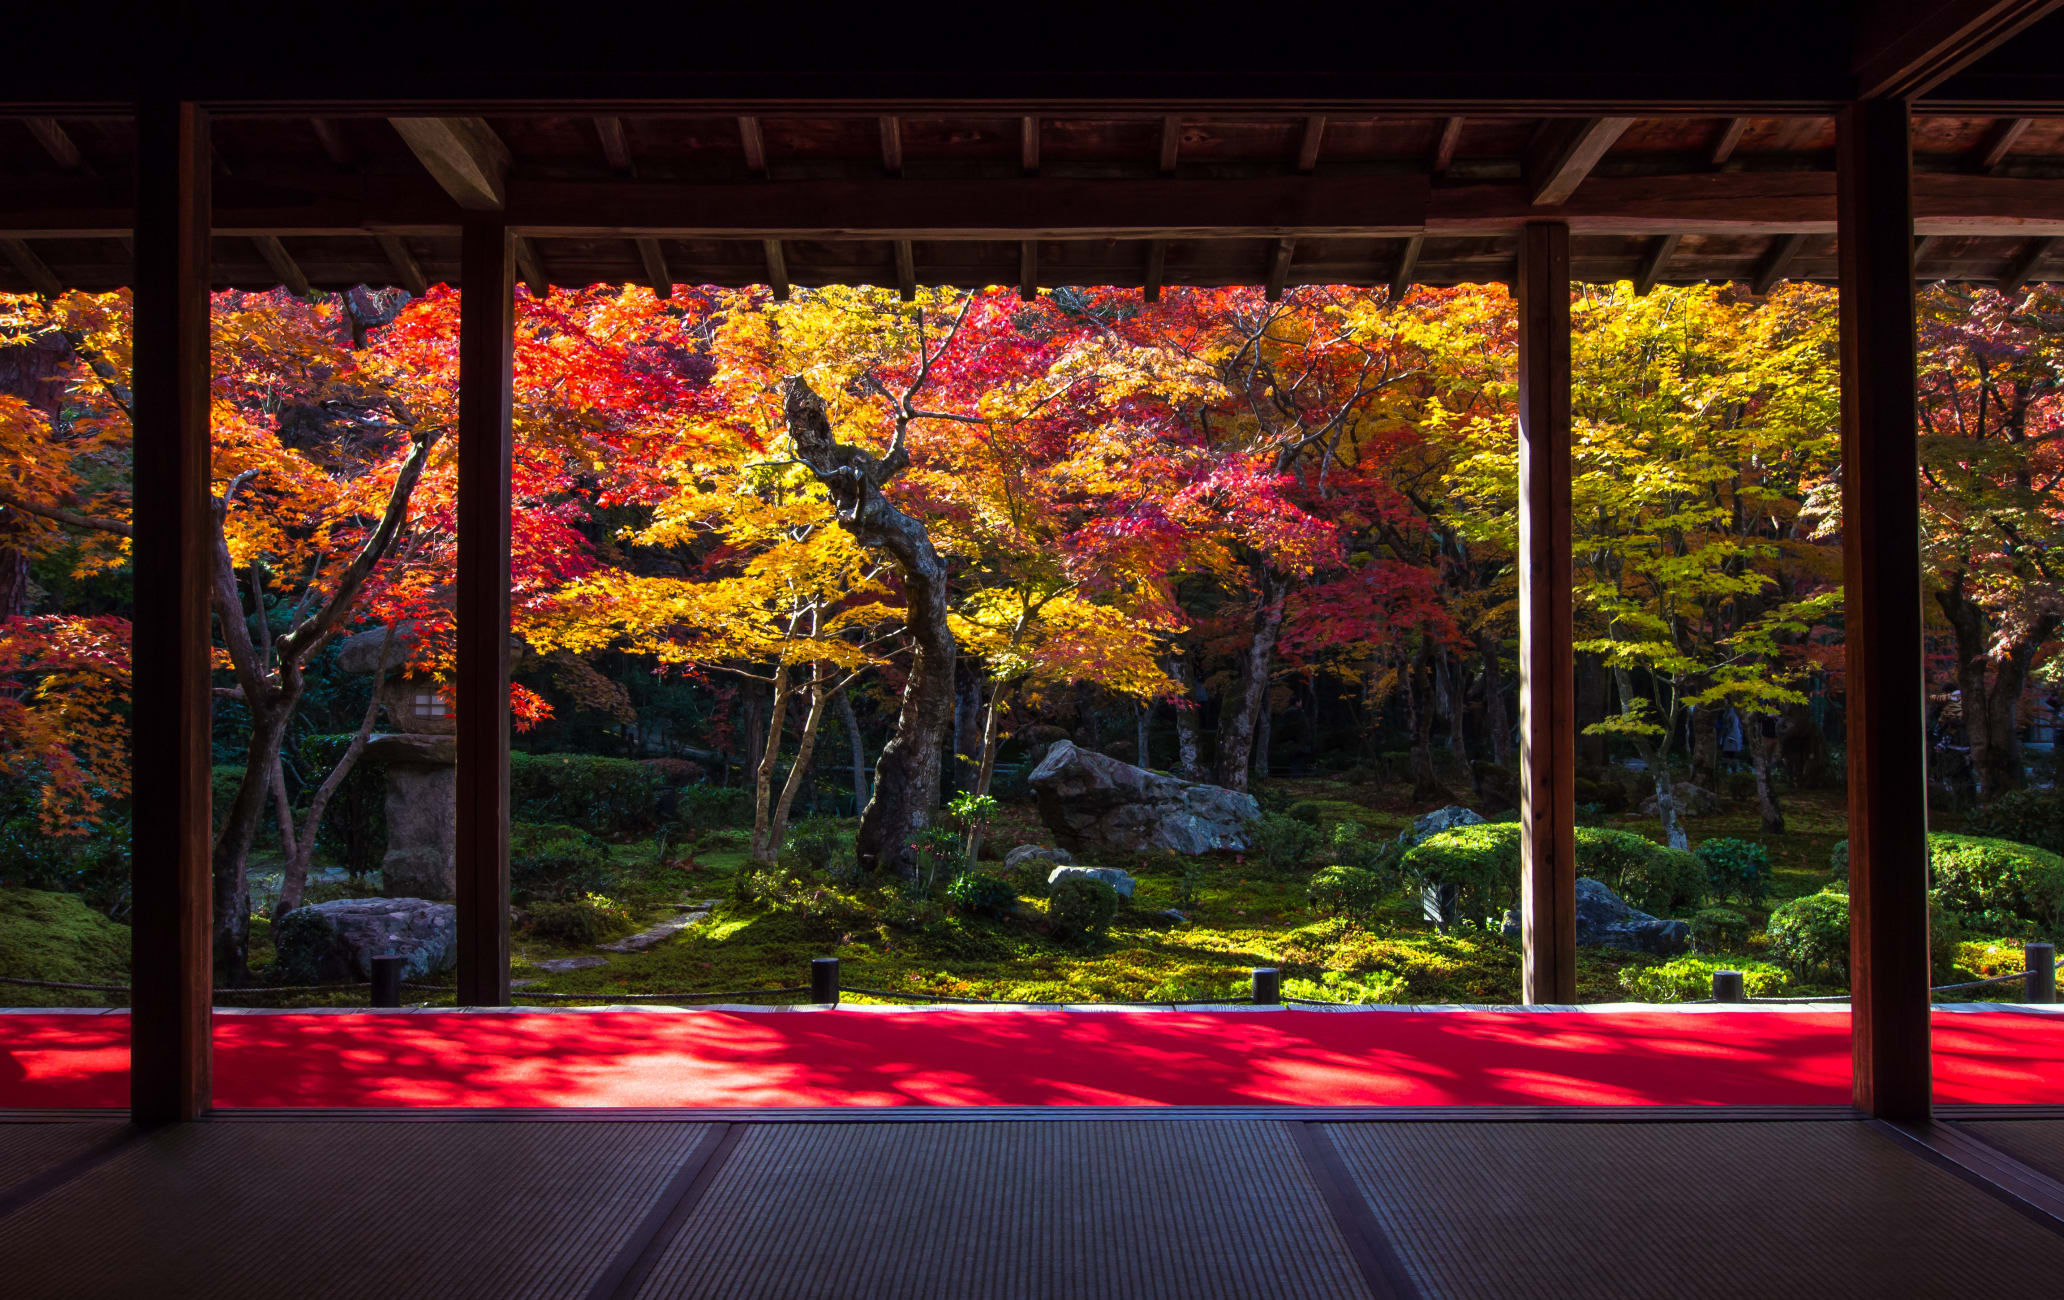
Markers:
(1239, 717)
(1189, 738)
(1992, 672)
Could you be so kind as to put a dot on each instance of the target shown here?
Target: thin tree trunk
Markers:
(820, 694)
(1705, 749)
(1759, 761)
(1189, 740)
(763, 775)
(301, 848)
(1657, 762)
(1241, 714)
(859, 748)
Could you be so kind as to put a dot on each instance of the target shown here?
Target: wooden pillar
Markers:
(171, 962)
(1547, 671)
(487, 316)
(1881, 563)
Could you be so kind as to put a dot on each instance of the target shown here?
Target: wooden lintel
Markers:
(753, 144)
(1028, 145)
(653, 258)
(1658, 259)
(777, 268)
(1776, 262)
(56, 141)
(2004, 136)
(2024, 263)
(33, 269)
(531, 268)
(892, 144)
(1407, 267)
(1157, 268)
(1028, 269)
(1279, 269)
(331, 137)
(1566, 155)
(1171, 143)
(906, 271)
(408, 273)
(463, 155)
(1730, 139)
(616, 150)
(282, 263)
(1444, 147)
(1308, 144)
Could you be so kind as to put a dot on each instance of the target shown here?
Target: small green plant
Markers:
(588, 919)
(1188, 889)
(1079, 908)
(970, 813)
(1810, 935)
(1307, 811)
(1688, 979)
(1348, 845)
(1738, 869)
(1719, 929)
(977, 893)
(1353, 893)
(1282, 842)
(814, 842)
(938, 848)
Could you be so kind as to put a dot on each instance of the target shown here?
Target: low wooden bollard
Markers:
(387, 980)
(1727, 986)
(1268, 985)
(824, 981)
(2040, 983)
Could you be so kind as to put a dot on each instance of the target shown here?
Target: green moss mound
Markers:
(45, 936)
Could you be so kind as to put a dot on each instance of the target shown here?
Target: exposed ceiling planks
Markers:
(1566, 154)
(463, 155)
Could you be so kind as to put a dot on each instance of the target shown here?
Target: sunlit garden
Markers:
(1079, 649)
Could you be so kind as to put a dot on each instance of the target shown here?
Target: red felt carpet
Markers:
(1030, 1058)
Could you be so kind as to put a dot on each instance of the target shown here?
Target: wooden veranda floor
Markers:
(1178, 1203)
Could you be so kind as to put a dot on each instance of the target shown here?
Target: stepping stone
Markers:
(559, 965)
(651, 935)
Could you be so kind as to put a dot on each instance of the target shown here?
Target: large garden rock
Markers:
(1605, 920)
(1095, 804)
(1437, 902)
(337, 941)
(1034, 854)
(1121, 881)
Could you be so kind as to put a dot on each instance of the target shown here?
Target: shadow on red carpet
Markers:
(1030, 1058)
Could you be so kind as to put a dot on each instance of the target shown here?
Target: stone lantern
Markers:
(420, 755)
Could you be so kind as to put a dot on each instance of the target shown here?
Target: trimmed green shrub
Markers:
(1350, 892)
(1656, 879)
(1080, 907)
(1838, 861)
(1283, 843)
(550, 863)
(1348, 845)
(2024, 816)
(613, 797)
(1481, 862)
(1307, 811)
(1687, 979)
(588, 919)
(712, 807)
(1810, 936)
(977, 893)
(1987, 878)
(1719, 929)
(1737, 869)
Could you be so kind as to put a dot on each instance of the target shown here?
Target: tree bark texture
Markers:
(1241, 713)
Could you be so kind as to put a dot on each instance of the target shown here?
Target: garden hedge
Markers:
(1482, 863)
(1998, 883)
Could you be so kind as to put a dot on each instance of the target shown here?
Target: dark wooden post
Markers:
(171, 963)
(1881, 564)
(1547, 671)
(487, 318)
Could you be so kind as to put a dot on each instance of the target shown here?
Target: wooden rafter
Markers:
(1171, 143)
(1279, 269)
(1658, 258)
(331, 137)
(1730, 139)
(1157, 267)
(906, 271)
(2001, 141)
(777, 268)
(1444, 147)
(1776, 262)
(2025, 262)
(530, 268)
(463, 155)
(283, 264)
(32, 268)
(408, 273)
(1028, 269)
(616, 150)
(56, 141)
(1565, 156)
(892, 145)
(1308, 144)
(1028, 145)
(653, 257)
(1923, 245)
(1407, 267)
(1906, 50)
(754, 145)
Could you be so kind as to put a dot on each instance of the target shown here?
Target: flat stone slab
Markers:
(653, 934)
(560, 965)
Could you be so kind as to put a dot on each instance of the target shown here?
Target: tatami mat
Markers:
(31, 1151)
(2035, 1142)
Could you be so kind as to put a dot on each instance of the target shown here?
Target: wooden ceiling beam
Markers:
(2000, 142)
(408, 273)
(1407, 267)
(463, 155)
(1776, 262)
(1444, 147)
(1157, 269)
(331, 137)
(616, 150)
(1566, 155)
(1308, 144)
(1028, 145)
(777, 268)
(1923, 245)
(1730, 140)
(57, 142)
(892, 145)
(32, 268)
(1653, 266)
(754, 145)
(1901, 53)
(653, 258)
(530, 268)
(283, 264)
(1278, 269)
(906, 271)
(2025, 262)
(1171, 143)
